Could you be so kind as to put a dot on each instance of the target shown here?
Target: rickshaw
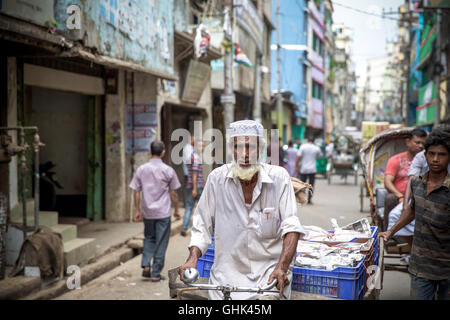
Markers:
(344, 160)
(374, 156)
(189, 290)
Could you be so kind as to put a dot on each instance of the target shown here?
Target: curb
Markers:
(88, 273)
(14, 288)
(26, 288)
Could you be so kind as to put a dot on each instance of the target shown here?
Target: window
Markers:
(305, 75)
(317, 90)
(314, 39)
(317, 44)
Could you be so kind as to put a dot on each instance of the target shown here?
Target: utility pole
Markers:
(257, 100)
(228, 98)
(408, 61)
(279, 97)
(437, 117)
(324, 97)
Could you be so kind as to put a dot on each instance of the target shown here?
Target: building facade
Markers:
(293, 30)
(101, 80)
(429, 58)
(344, 86)
(316, 59)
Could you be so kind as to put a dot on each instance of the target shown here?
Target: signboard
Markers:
(443, 4)
(144, 128)
(197, 77)
(144, 115)
(143, 137)
(425, 112)
(37, 12)
(316, 120)
(227, 99)
(247, 18)
(429, 34)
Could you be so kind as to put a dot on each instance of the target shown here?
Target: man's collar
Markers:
(446, 183)
(265, 178)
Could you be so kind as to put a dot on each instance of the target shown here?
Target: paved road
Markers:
(338, 200)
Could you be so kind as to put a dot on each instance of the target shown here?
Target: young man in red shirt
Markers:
(396, 175)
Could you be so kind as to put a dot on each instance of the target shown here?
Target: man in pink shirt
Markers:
(155, 183)
(396, 174)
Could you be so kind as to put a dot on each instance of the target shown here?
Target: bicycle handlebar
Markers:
(191, 275)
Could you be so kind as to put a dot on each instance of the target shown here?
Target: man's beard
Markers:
(245, 174)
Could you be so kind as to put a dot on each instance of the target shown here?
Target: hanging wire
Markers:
(381, 16)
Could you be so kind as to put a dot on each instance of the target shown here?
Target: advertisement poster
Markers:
(143, 128)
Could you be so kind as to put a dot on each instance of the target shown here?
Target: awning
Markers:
(16, 30)
(111, 62)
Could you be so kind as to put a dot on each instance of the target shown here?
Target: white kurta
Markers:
(248, 243)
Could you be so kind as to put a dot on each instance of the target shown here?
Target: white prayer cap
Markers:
(246, 128)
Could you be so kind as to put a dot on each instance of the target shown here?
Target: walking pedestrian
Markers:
(429, 264)
(187, 156)
(194, 185)
(307, 155)
(291, 154)
(154, 185)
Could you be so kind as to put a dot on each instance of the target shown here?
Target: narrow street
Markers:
(338, 200)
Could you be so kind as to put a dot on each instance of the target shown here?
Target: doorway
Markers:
(70, 126)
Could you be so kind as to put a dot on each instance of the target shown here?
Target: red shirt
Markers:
(398, 167)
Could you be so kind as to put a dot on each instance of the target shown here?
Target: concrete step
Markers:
(78, 251)
(16, 211)
(46, 218)
(67, 231)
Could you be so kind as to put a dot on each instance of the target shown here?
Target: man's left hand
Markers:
(282, 278)
(176, 214)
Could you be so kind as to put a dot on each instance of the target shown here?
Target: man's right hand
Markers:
(138, 216)
(190, 263)
(386, 235)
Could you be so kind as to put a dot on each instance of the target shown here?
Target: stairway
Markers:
(76, 250)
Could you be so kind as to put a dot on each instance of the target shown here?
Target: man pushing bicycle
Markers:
(250, 208)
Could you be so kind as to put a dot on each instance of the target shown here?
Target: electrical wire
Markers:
(366, 12)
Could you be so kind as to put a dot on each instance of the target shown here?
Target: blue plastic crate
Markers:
(206, 261)
(209, 253)
(204, 266)
(341, 283)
